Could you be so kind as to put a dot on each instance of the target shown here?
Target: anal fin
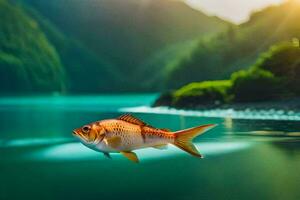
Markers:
(130, 156)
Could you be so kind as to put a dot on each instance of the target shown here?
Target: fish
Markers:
(128, 133)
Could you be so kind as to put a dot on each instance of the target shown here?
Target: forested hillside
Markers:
(217, 56)
(85, 71)
(274, 76)
(99, 46)
(131, 35)
(29, 63)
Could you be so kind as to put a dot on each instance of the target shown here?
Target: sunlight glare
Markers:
(236, 11)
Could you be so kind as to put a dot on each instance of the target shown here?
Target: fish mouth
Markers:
(74, 133)
(80, 136)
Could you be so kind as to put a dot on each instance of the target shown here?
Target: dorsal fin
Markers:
(131, 119)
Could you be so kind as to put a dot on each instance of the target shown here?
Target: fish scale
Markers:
(130, 134)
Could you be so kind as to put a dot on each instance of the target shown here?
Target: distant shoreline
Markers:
(284, 105)
(286, 110)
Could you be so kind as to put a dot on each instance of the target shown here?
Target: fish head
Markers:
(90, 134)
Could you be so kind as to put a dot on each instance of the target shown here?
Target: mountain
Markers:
(216, 57)
(36, 57)
(29, 63)
(128, 33)
(78, 60)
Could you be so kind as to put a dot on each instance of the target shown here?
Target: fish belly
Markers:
(128, 141)
(103, 147)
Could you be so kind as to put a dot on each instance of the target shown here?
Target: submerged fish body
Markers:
(127, 133)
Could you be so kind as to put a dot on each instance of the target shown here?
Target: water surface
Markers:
(245, 157)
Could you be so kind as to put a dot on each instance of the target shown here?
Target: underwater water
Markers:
(246, 157)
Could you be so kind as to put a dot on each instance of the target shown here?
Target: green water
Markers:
(245, 158)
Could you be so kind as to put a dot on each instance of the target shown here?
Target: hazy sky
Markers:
(234, 10)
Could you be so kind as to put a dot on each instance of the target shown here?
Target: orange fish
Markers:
(127, 133)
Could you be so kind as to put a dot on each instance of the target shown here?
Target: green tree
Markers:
(283, 61)
(255, 85)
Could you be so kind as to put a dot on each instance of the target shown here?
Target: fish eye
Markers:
(86, 129)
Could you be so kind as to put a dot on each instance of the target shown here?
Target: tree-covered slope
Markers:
(274, 76)
(85, 71)
(28, 61)
(216, 57)
(128, 33)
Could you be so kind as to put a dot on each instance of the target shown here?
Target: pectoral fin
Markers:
(161, 147)
(113, 142)
(107, 155)
(131, 156)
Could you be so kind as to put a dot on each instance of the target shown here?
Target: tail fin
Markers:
(184, 138)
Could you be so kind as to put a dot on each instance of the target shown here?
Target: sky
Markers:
(236, 11)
